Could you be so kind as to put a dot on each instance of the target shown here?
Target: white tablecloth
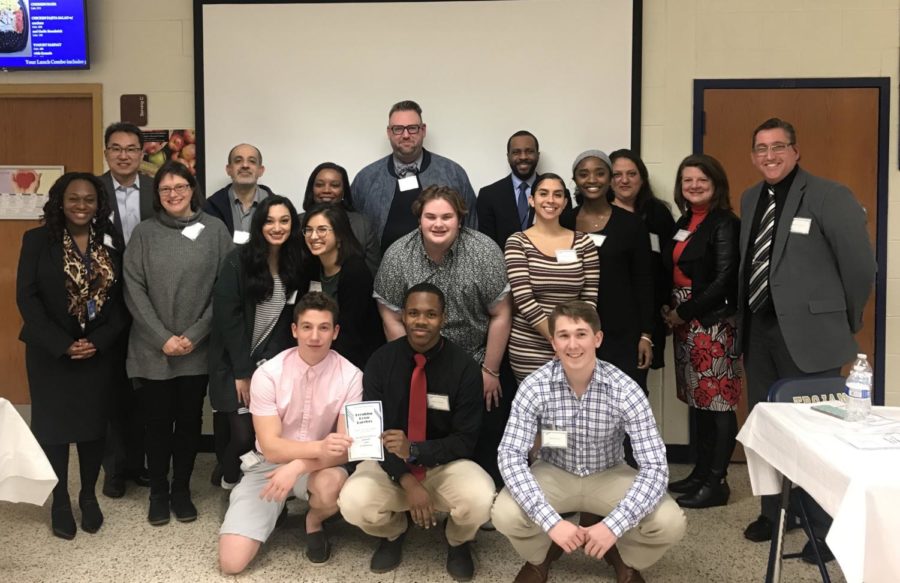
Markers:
(25, 473)
(859, 489)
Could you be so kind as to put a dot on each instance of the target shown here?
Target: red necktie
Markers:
(418, 388)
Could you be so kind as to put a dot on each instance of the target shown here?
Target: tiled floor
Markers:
(129, 549)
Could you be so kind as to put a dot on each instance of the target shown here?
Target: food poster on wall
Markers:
(24, 190)
(161, 146)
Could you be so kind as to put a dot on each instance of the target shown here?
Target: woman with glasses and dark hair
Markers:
(336, 265)
(171, 264)
(625, 296)
(631, 191)
(547, 264)
(69, 292)
(253, 302)
(329, 182)
(704, 266)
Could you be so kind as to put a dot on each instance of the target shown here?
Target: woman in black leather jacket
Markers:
(703, 259)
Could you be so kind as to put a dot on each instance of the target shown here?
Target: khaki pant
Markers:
(377, 505)
(598, 494)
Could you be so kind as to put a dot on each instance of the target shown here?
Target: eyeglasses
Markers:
(179, 188)
(130, 150)
(321, 231)
(413, 129)
(777, 148)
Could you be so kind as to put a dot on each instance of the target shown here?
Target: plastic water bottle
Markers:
(859, 390)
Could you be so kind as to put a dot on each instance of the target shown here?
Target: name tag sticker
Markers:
(597, 239)
(107, 240)
(654, 242)
(438, 402)
(554, 438)
(193, 231)
(408, 183)
(801, 226)
(315, 286)
(682, 235)
(566, 256)
(241, 237)
(292, 299)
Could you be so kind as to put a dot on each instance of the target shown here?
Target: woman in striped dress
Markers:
(547, 264)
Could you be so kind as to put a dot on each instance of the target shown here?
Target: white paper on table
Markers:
(365, 424)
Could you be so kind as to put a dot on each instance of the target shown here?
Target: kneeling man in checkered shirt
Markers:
(581, 408)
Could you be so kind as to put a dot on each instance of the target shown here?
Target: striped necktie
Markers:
(762, 253)
(522, 204)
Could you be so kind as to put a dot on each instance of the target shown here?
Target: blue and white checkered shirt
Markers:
(596, 424)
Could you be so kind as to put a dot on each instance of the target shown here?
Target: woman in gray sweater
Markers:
(170, 266)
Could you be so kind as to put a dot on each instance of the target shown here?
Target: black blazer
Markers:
(145, 184)
(498, 214)
(711, 259)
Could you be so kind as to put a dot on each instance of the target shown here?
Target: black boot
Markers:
(705, 445)
(691, 483)
(713, 492)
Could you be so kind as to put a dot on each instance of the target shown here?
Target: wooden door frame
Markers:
(93, 91)
(883, 84)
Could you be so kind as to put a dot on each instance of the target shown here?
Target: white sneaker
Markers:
(228, 485)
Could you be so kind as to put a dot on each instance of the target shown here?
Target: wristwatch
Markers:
(413, 453)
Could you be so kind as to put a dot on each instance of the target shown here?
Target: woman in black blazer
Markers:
(253, 304)
(336, 267)
(69, 292)
(703, 258)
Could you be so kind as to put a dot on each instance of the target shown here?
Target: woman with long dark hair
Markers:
(171, 264)
(253, 301)
(329, 182)
(547, 264)
(631, 191)
(69, 292)
(336, 264)
(704, 266)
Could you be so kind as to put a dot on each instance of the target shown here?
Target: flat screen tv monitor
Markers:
(43, 34)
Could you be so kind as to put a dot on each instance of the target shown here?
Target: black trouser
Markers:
(90, 454)
(767, 359)
(173, 415)
(125, 435)
(234, 436)
(493, 423)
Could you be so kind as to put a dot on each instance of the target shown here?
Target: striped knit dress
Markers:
(539, 282)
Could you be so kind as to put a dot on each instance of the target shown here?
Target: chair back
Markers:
(807, 390)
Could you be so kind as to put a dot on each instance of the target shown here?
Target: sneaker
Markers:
(227, 485)
(459, 563)
(388, 555)
(318, 549)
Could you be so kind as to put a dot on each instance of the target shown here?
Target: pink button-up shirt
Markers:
(308, 399)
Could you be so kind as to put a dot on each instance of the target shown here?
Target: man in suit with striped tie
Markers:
(807, 269)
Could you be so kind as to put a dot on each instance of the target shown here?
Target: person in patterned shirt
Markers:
(581, 408)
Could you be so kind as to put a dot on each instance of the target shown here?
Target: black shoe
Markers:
(216, 477)
(760, 530)
(159, 510)
(459, 563)
(63, 522)
(688, 485)
(809, 556)
(388, 555)
(183, 507)
(114, 485)
(91, 516)
(707, 496)
(318, 549)
(140, 477)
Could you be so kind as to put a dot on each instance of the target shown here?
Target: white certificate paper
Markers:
(365, 424)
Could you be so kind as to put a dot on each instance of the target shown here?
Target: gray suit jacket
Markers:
(146, 185)
(819, 281)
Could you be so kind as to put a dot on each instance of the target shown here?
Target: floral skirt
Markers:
(705, 373)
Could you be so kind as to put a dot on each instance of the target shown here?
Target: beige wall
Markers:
(147, 47)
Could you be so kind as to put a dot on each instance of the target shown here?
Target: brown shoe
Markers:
(624, 573)
(531, 573)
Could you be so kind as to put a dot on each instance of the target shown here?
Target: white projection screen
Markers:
(309, 82)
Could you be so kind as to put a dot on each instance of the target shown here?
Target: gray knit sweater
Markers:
(168, 288)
